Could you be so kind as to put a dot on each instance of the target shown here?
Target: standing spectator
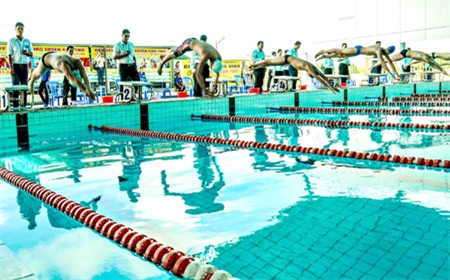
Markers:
(43, 87)
(66, 84)
(100, 68)
(278, 68)
(271, 72)
(345, 64)
(258, 55)
(328, 66)
(292, 71)
(376, 70)
(285, 67)
(406, 65)
(19, 52)
(195, 60)
(124, 55)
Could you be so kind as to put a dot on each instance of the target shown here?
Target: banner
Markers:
(146, 57)
(230, 69)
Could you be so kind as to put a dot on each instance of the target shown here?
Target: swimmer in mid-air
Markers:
(204, 50)
(377, 51)
(71, 67)
(417, 57)
(298, 64)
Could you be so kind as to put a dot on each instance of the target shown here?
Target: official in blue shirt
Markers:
(292, 71)
(19, 52)
(344, 65)
(258, 55)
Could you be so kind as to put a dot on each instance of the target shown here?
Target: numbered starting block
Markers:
(336, 80)
(405, 77)
(4, 100)
(127, 93)
(375, 79)
(5, 97)
(429, 76)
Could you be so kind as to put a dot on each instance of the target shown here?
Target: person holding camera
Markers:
(19, 52)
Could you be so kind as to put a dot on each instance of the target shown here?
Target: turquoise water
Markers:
(253, 213)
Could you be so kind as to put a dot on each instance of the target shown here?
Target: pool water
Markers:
(257, 214)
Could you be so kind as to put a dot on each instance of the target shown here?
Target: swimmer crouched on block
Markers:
(298, 64)
(204, 50)
(71, 67)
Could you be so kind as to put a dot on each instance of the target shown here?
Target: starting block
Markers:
(336, 80)
(287, 80)
(405, 77)
(429, 76)
(375, 79)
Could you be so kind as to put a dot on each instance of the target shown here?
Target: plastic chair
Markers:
(101, 90)
(54, 92)
(117, 85)
(240, 87)
(189, 84)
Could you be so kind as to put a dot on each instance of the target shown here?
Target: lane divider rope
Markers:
(177, 262)
(411, 161)
(324, 123)
(400, 112)
(374, 103)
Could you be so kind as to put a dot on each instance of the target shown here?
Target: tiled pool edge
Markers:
(18, 127)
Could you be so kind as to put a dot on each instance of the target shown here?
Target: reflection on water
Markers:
(131, 171)
(204, 200)
(29, 207)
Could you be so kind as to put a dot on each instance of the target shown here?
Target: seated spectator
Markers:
(142, 76)
(43, 87)
(179, 85)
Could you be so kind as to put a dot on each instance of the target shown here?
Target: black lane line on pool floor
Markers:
(23, 140)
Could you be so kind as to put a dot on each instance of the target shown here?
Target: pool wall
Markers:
(28, 129)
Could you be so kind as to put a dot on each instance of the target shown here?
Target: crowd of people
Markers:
(204, 58)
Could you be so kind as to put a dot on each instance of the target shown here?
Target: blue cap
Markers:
(391, 49)
(217, 66)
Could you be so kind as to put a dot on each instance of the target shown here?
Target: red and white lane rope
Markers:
(325, 123)
(431, 97)
(170, 259)
(357, 111)
(385, 103)
(411, 161)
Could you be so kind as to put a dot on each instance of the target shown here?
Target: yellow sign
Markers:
(79, 51)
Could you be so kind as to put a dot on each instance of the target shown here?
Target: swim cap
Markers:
(77, 75)
(217, 66)
(203, 38)
(391, 49)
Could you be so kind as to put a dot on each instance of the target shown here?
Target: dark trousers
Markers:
(205, 74)
(270, 75)
(328, 71)
(376, 70)
(101, 76)
(259, 78)
(66, 88)
(128, 73)
(42, 88)
(293, 73)
(20, 78)
(277, 73)
(343, 70)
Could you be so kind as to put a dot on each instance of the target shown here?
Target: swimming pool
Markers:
(256, 213)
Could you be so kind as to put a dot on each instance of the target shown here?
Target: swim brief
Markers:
(184, 47)
(358, 49)
(43, 61)
(403, 53)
